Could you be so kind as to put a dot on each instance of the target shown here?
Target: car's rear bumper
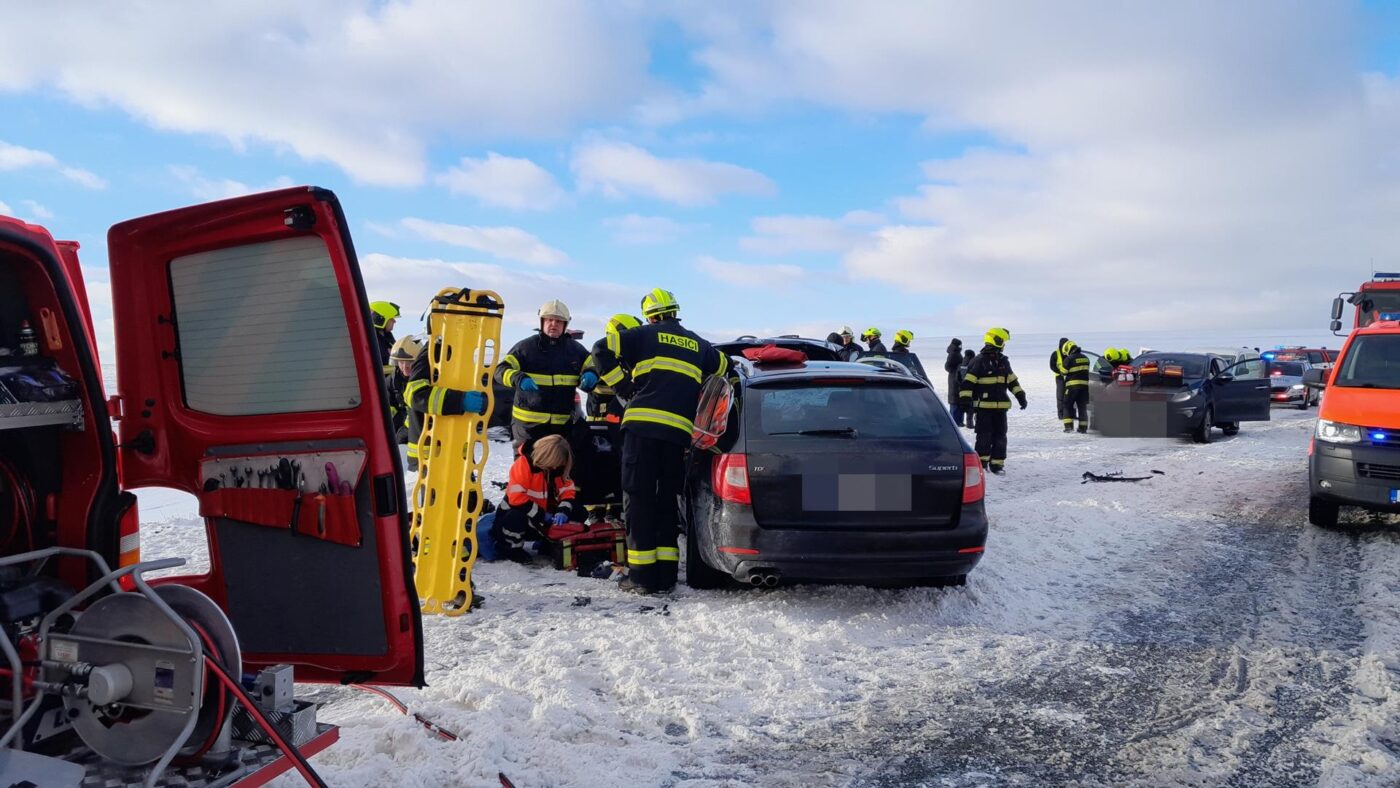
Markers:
(732, 542)
(1350, 475)
(1283, 397)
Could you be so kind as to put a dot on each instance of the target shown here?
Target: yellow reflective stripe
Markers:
(665, 364)
(553, 380)
(723, 365)
(1069, 383)
(668, 554)
(537, 417)
(641, 557)
(508, 377)
(435, 398)
(655, 416)
(972, 378)
(964, 393)
(615, 342)
(613, 376)
(413, 386)
(413, 450)
(511, 361)
(993, 405)
(1016, 389)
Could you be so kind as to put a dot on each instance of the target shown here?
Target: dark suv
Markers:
(834, 471)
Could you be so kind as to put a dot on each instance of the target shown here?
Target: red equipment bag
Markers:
(581, 547)
(772, 354)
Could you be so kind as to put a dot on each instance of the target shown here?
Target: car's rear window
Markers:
(872, 410)
(1287, 368)
(1371, 362)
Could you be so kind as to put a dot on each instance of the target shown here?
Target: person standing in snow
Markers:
(953, 366)
(967, 359)
(383, 314)
(871, 337)
(1056, 356)
(989, 384)
(545, 369)
(1074, 368)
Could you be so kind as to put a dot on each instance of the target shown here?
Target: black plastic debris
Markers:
(1116, 476)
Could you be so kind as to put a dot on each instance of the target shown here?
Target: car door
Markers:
(1245, 396)
(248, 376)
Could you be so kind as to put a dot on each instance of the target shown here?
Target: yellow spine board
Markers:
(463, 346)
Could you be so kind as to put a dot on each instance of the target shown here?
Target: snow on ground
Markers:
(1191, 629)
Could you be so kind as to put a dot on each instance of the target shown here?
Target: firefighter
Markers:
(602, 474)
(667, 364)
(850, 351)
(969, 356)
(1056, 356)
(539, 493)
(423, 398)
(1074, 368)
(544, 370)
(988, 386)
(871, 337)
(383, 314)
(405, 351)
(902, 339)
(953, 366)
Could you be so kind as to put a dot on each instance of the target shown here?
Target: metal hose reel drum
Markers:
(141, 683)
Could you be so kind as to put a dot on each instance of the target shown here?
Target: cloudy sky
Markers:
(782, 166)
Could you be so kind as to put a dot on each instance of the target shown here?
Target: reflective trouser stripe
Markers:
(988, 405)
(641, 557)
(668, 554)
(413, 450)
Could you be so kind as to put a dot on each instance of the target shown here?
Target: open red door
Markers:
(248, 376)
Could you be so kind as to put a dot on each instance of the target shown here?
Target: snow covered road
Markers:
(1191, 629)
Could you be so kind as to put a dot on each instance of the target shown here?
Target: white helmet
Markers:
(847, 332)
(555, 309)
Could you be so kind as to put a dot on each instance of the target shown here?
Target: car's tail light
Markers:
(974, 481)
(731, 478)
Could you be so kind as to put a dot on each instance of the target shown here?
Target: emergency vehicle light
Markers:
(1380, 276)
(1379, 436)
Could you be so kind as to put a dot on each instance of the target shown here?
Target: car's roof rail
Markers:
(885, 365)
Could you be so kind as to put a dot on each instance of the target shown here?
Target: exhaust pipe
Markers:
(764, 579)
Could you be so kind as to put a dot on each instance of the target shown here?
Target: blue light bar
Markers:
(1384, 275)
(1379, 436)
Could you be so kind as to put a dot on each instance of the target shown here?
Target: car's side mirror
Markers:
(1337, 305)
(1335, 326)
(1315, 378)
(1224, 377)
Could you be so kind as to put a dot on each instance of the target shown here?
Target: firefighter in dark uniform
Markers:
(601, 476)
(1056, 356)
(871, 337)
(425, 399)
(987, 388)
(1074, 368)
(544, 370)
(667, 365)
(383, 314)
(405, 352)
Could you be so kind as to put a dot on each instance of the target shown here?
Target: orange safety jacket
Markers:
(536, 491)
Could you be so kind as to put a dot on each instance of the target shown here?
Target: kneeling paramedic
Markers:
(987, 387)
(423, 398)
(540, 493)
(667, 364)
(544, 370)
(1074, 366)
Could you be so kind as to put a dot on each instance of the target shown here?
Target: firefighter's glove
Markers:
(528, 384)
(588, 380)
(474, 402)
(559, 518)
(1023, 403)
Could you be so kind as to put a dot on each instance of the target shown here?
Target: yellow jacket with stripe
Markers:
(423, 398)
(667, 365)
(990, 383)
(555, 365)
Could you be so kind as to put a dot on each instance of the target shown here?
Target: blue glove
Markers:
(559, 518)
(588, 380)
(474, 402)
(528, 384)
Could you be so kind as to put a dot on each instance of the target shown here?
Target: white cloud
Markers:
(779, 276)
(362, 84)
(504, 182)
(617, 170)
(780, 235)
(207, 189)
(1135, 149)
(506, 243)
(36, 210)
(412, 282)
(17, 157)
(637, 230)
